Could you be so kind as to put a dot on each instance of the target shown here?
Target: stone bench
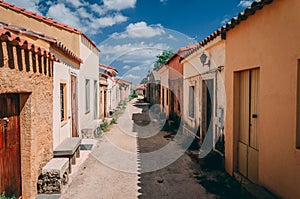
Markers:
(69, 148)
(54, 175)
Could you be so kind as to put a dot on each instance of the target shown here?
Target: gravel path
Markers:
(111, 170)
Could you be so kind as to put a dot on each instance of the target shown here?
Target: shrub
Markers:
(6, 197)
(132, 96)
(104, 125)
(113, 120)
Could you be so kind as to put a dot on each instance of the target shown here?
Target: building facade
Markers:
(78, 43)
(26, 80)
(262, 89)
(204, 105)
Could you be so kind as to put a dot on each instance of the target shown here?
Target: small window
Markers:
(87, 96)
(63, 102)
(191, 102)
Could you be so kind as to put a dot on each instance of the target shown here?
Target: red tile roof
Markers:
(256, 5)
(51, 40)
(39, 17)
(18, 41)
(45, 20)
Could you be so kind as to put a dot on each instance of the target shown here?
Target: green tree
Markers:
(162, 58)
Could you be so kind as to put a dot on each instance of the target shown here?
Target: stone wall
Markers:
(36, 90)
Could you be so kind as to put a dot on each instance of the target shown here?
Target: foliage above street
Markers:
(162, 58)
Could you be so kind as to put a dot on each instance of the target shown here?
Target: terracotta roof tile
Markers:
(42, 36)
(45, 19)
(256, 5)
(18, 41)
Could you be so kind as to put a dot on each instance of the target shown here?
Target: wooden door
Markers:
(74, 104)
(248, 122)
(10, 158)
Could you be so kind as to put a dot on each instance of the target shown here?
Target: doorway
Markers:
(248, 94)
(207, 109)
(10, 157)
(96, 99)
(74, 104)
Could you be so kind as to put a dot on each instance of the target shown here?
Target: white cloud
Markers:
(119, 4)
(140, 30)
(31, 5)
(74, 3)
(132, 53)
(107, 21)
(245, 3)
(131, 76)
(60, 11)
(138, 68)
(126, 67)
(100, 10)
(125, 49)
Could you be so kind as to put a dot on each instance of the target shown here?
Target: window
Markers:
(95, 99)
(87, 96)
(191, 101)
(63, 102)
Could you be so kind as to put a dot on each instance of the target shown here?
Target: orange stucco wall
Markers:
(270, 40)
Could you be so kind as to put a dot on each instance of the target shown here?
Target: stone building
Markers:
(26, 124)
(78, 43)
(125, 89)
(111, 89)
(204, 91)
(103, 75)
(154, 88)
(65, 110)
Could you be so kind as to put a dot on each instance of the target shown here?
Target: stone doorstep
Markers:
(254, 190)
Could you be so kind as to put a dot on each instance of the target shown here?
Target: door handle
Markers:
(254, 116)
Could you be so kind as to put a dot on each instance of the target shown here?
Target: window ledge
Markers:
(87, 112)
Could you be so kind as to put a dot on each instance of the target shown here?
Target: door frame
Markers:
(74, 106)
(238, 145)
(203, 104)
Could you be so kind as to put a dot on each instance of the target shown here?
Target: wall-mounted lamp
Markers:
(203, 59)
(220, 68)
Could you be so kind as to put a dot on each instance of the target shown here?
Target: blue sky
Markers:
(130, 33)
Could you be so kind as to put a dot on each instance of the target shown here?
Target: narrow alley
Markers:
(123, 169)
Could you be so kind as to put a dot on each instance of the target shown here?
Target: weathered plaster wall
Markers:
(35, 120)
